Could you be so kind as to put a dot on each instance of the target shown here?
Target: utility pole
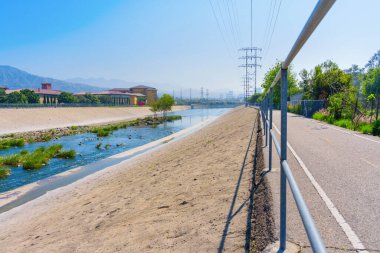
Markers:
(201, 94)
(190, 95)
(181, 94)
(207, 95)
(253, 56)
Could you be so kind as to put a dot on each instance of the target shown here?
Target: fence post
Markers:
(270, 126)
(284, 109)
(266, 114)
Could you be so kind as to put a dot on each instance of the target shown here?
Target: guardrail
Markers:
(266, 107)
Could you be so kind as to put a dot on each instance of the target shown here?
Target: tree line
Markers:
(352, 96)
(27, 96)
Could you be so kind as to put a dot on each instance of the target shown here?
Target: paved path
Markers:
(344, 171)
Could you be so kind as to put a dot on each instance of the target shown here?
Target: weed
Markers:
(4, 173)
(69, 154)
(366, 128)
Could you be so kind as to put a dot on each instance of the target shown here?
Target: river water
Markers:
(85, 145)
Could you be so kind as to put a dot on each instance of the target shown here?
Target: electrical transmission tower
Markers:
(202, 94)
(207, 95)
(251, 56)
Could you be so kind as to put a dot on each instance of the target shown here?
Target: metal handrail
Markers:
(319, 12)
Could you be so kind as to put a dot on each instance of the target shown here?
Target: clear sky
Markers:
(177, 41)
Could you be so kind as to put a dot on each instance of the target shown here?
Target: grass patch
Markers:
(4, 172)
(366, 129)
(12, 160)
(69, 154)
(345, 123)
(363, 127)
(9, 143)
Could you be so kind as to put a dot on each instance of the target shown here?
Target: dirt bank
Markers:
(33, 119)
(174, 199)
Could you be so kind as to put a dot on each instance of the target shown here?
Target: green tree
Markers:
(3, 96)
(105, 100)
(67, 98)
(88, 99)
(325, 80)
(155, 107)
(270, 76)
(374, 62)
(371, 85)
(31, 96)
(255, 98)
(371, 99)
(17, 98)
(165, 103)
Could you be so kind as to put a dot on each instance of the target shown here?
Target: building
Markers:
(114, 97)
(46, 93)
(149, 92)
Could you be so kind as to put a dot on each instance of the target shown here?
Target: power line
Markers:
(222, 17)
(233, 32)
(274, 26)
(219, 27)
(237, 21)
(267, 27)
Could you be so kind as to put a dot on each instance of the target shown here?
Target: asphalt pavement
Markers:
(338, 172)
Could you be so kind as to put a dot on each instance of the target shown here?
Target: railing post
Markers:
(270, 126)
(266, 114)
(284, 109)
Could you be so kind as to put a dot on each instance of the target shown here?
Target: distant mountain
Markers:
(161, 87)
(117, 83)
(14, 78)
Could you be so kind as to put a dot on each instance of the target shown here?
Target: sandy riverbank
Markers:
(174, 199)
(33, 119)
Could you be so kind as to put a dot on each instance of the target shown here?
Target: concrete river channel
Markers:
(88, 155)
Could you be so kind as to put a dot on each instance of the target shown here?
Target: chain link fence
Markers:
(306, 108)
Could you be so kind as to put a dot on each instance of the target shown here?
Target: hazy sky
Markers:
(176, 41)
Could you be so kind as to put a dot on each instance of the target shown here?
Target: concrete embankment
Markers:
(33, 119)
(175, 198)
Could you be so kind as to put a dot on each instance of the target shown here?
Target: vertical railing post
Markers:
(284, 109)
(270, 126)
(266, 114)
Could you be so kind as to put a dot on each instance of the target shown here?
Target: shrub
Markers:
(69, 154)
(99, 145)
(74, 128)
(319, 116)
(12, 160)
(376, 128)
(24, 152)
(53, 150)
(34, 162)
(40, 157)
(345, 123)
(8, 143)
(103, 132)
(366, 128)
(4, 172)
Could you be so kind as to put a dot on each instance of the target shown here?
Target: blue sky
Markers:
(176, 41)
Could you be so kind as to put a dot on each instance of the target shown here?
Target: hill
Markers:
(14, 78)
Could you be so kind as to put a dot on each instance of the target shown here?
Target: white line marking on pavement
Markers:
(351, 235)
(365, 160)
